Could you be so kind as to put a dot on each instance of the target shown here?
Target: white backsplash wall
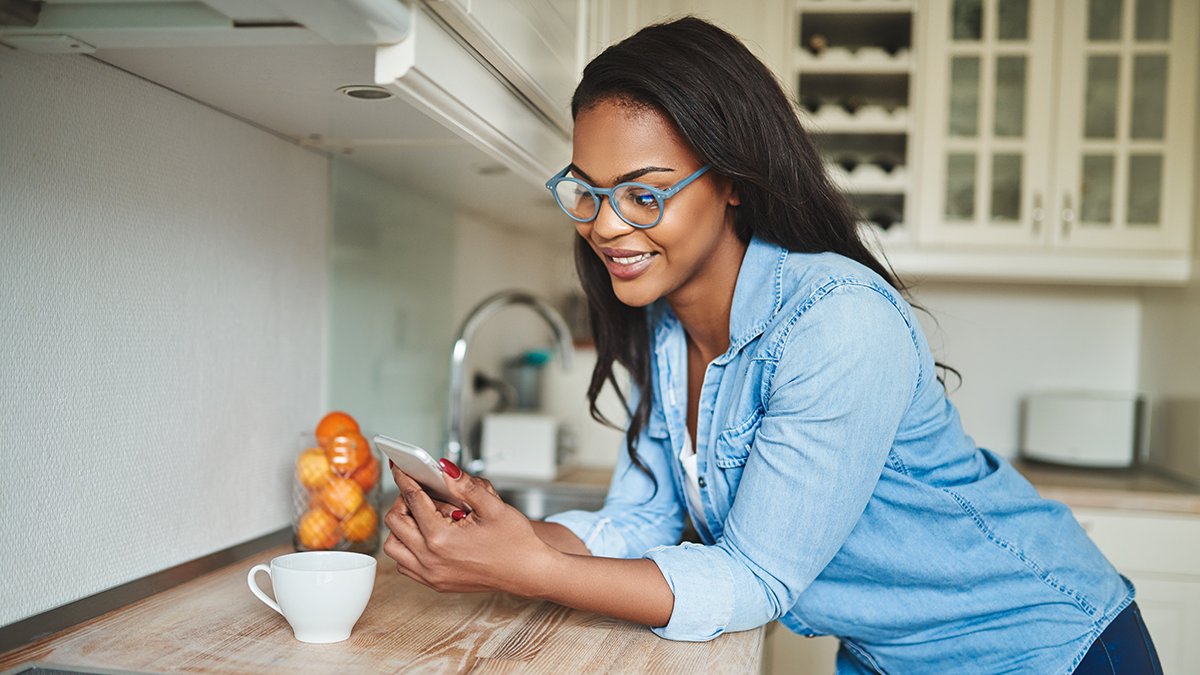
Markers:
(404, 272)
(1011, 340)
(162, 282)
(1170, 367)
(390, 306)
(490, 259)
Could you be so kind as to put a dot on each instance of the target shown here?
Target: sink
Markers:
(537, 499)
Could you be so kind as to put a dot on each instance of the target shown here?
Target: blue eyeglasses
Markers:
(635, 203)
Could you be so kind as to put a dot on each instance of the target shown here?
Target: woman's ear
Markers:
(732, 199)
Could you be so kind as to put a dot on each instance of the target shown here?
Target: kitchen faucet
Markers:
(456, 448)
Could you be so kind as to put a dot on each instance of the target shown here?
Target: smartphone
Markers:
(422, 467)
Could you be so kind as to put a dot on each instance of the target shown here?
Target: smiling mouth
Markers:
(631, 260)
(626, 264)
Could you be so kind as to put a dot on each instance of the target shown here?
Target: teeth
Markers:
(630, 261)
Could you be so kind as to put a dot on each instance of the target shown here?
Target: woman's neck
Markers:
(704, 305)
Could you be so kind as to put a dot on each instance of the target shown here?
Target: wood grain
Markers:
(213, 625)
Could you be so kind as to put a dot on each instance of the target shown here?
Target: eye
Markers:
(639, 198)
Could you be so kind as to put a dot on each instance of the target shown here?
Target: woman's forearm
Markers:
(634, 590)
(559, 537)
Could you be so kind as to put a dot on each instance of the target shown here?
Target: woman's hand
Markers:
(492, 548)
(495, 548)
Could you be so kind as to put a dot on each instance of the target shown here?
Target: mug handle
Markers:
(258, 591)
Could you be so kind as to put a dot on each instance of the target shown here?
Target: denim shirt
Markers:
(841, 494)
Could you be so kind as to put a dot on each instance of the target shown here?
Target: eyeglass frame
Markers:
(660, 195)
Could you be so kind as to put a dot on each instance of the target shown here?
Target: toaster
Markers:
(1089, 428)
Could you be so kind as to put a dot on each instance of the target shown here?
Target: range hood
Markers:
(495, 77)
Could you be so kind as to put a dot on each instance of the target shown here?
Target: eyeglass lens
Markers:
(634, 204)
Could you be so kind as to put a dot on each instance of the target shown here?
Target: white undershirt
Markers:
(687, 457)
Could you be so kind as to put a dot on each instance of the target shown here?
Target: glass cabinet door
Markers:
(1126, 139)
(989, 67)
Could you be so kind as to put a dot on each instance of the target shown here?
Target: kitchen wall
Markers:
(1010, 340)
(1170, 366)
(162, 285)
(405, 272)
(391, 305)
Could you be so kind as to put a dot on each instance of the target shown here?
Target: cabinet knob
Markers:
(1067, 215)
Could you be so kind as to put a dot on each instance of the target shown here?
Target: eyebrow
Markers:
(623, 178)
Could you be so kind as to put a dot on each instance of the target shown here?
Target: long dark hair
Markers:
(732, 111)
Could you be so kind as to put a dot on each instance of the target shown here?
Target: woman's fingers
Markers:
(420, 505)
(407, 562)
(476, 493)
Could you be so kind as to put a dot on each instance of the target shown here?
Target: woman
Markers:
(784, 398)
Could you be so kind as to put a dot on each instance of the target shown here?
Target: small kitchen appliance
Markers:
(1082, 428)
(520, 445)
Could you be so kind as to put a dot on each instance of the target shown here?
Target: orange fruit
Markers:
(367, 475)
(318, 530)
(340, 497)
(336, 423)
(347, 452)
(361, 526)
(312, 468)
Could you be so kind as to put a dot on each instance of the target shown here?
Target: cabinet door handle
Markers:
(1037, 214)
(1067, 215)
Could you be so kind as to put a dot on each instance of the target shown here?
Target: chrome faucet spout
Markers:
(457, 450)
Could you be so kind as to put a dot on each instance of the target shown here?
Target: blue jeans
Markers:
(1124, 648)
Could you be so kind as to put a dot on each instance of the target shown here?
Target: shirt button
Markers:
(701, 481)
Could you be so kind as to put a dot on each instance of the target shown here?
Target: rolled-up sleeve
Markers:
(844, 374)
(640, 511)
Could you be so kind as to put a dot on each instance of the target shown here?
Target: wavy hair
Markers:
(735, 116)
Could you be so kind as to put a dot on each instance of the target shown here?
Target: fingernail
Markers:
(391, 464)
(458, 515)
(450, 469)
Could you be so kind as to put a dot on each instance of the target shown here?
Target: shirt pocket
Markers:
(734, 443)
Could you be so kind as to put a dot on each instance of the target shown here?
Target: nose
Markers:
(607, 223)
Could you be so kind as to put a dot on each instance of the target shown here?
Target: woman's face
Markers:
(693, 251)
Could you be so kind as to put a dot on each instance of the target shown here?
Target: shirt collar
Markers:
(760, 278)
(758, 295)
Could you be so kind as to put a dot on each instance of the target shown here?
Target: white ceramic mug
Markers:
(320, 593)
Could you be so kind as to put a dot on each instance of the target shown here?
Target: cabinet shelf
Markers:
(869, 179)
(853, 64)
(834, 119)
(865, 60)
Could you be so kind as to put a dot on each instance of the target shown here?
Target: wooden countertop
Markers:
(214, 625)
(1137, 489)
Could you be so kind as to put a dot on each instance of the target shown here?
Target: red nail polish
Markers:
(391, 464)
(450, 469)
(458, 515)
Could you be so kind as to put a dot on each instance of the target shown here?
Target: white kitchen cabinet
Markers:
(853, 68)
(1126, 139)
(786, 653)
(431, 70)
(1160, 554)
(537, 45)
(1060, 126)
